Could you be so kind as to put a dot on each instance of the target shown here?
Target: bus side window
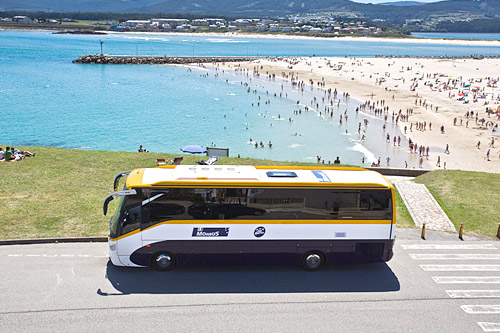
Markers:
(167, 204)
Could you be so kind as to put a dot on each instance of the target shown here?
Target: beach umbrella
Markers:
(194, 149)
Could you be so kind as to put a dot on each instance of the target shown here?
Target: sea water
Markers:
(457, 35)
(47, 100)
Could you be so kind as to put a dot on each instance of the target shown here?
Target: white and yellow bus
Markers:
(311, 216)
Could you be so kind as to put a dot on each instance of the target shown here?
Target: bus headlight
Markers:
(112, 247)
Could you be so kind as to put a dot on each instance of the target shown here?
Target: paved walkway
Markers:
(421, 204)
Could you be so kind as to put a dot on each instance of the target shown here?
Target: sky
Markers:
(379, 1)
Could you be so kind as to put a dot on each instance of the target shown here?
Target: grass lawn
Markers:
(59, 193)
(468, 198)
(403, 217)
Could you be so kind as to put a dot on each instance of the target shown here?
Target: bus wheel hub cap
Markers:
(313, 260)
(163, 260)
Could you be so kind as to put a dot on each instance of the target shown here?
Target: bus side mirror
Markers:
(117, 179)
(105, 204)
(112, 196)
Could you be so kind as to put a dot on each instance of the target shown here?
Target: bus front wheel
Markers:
(163, 261)
(313, 261)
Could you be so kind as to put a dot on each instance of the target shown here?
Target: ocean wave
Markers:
(370, 157)
(217, 40)
(295, 145)
(370, 115)
(147, 38)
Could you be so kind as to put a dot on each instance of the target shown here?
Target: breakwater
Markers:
(153, 60)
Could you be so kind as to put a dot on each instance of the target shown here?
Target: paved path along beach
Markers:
(421, 204)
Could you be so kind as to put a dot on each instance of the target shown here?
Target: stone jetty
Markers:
(153, 60)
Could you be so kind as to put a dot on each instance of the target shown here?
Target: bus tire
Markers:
(163, 261)
(313, 260)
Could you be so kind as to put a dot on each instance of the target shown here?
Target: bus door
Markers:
(130, 218)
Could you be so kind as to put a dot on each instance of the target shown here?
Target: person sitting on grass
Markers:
(1, 154)
(7, 155)
(12, 154)
(22, 153)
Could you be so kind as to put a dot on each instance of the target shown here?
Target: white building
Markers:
(261, 27)
(200, 22)
(136, 24)
(22, 19)
(172, 22)
(274, 27)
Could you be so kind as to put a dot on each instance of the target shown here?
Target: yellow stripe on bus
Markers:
(125, 235)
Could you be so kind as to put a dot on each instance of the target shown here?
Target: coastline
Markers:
(390, 80)
(410, 40)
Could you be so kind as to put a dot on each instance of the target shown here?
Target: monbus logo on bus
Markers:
(259, 231)
(210, 232)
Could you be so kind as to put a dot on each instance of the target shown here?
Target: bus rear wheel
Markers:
(163, 261)
(313, 261)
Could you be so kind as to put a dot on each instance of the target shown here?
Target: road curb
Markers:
(53, 240)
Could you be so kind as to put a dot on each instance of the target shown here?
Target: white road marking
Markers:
(447, 256)
(449, 247)
(57, 255)
(466, 279)
(476, 309)
(460, 268)
(489, 327)
(473, 293)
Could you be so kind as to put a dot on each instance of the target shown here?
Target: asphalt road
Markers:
(438, 285)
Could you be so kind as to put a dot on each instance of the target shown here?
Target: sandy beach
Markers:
(333, 38)
(425, 96)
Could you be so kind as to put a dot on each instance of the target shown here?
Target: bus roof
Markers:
(245, 175)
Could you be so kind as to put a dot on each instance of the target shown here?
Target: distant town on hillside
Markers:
(318, 17)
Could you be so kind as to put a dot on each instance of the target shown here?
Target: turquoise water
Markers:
(456, 35)
(46, 100)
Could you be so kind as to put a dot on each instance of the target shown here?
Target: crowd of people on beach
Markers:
(299, 73)
(327, 105)
(11, 154)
